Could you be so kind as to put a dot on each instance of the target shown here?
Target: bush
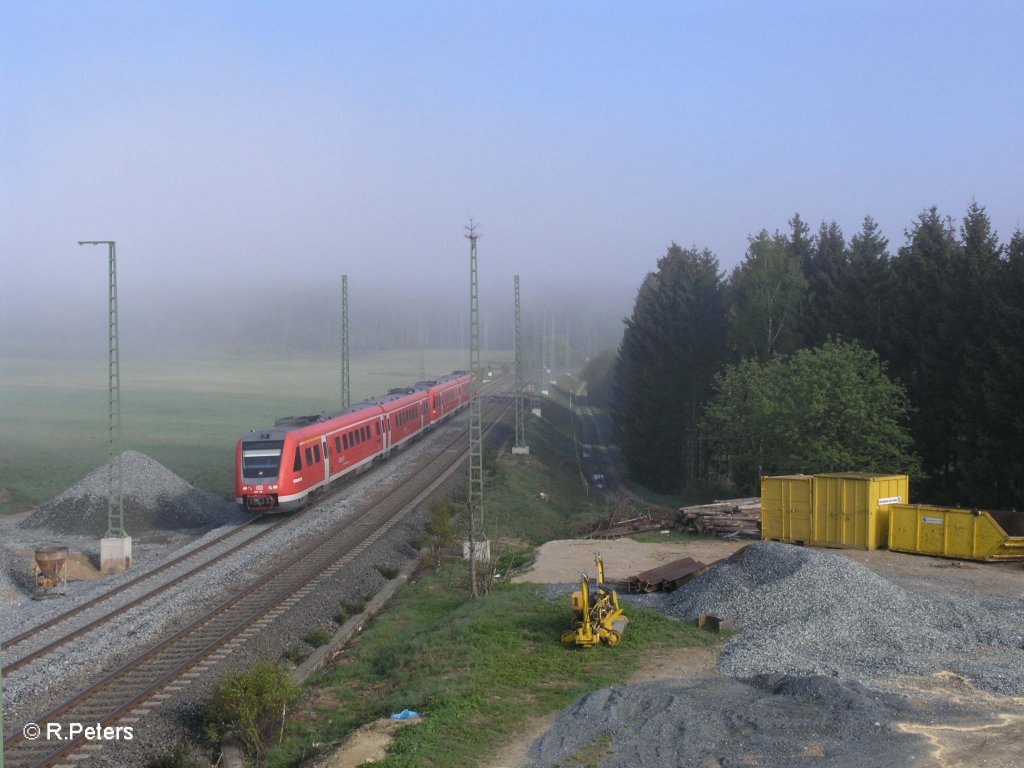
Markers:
(318, 637)
(252, 705)
(387, 571)
(296, 654)
(179, 757)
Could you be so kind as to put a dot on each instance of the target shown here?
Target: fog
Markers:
(245, 156)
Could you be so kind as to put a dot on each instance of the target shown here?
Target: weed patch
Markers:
(477, 669)
(252, 705)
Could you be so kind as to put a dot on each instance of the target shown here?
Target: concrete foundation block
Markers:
(115, 555)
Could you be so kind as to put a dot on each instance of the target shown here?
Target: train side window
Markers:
(337, 444)
(359, 436)
(316, 453)
(377, 425)
(309, 457)
(297, 466)
(367, 430)
(345, 440)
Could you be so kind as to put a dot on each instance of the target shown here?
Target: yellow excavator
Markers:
(595, 619)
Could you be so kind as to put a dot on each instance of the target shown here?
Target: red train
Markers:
(279, 469)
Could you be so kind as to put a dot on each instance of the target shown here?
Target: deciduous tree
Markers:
(826, 409)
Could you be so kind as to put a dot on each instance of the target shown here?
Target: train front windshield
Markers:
(261, 459)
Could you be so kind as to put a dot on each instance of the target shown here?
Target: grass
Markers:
(187, 413)
(477, 670)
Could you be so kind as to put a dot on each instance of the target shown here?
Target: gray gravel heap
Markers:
(154, 498)
(776, 721)
(17, 578)
(804, 612)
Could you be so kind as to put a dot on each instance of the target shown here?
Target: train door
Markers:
(326, 452)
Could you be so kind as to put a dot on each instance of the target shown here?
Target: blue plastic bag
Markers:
(405, 714)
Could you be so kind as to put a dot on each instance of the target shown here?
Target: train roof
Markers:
(288, 423)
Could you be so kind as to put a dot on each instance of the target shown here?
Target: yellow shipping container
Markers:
(968, 534)
(852, 509)
(786, 510)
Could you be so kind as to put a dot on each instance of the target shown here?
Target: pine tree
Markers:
(828, 274)
(867, 293)
(671, 348)
(975, 277)
(926, 345)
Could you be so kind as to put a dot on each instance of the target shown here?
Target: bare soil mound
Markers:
(154, 499)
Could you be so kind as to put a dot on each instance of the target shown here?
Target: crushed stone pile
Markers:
(17, 577)
(803, 612)
(777, 721)
(154, 499)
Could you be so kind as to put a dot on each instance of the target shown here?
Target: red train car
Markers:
(447, 394)
(280, 468)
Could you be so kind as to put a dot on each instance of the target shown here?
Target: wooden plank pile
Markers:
(668, 577)
(730, 518)
(627, 522)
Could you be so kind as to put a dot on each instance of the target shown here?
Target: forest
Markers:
(822, 353)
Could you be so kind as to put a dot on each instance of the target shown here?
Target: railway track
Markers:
(197, 554)
(128, 693)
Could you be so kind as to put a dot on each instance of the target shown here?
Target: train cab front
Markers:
(259, 472)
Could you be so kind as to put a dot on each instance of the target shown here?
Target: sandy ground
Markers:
(562, 560)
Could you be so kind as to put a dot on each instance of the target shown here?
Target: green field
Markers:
(187, 413)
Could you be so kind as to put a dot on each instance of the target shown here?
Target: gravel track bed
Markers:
(40, 686)
(179, 719)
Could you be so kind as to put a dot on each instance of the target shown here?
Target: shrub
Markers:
(318, 637)
(252, 704)
(388, 571)
(179, 757)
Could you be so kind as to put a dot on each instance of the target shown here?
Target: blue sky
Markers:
(264, 143)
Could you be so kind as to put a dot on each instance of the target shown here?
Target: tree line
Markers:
(822, 353)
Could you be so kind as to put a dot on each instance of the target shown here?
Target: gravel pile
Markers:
(154, 499)
(17, 577)
(777, 721)
(804, 612)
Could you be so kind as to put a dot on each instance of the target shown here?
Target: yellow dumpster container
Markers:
(852, 509)
(967, 534)
(786, 508)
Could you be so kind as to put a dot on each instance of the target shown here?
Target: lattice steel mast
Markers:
(476, 469)
(346, 391)
(115, 485)
(423, 341)
(520, 444)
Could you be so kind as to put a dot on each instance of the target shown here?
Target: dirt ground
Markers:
(995, 743)
(562, 560)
